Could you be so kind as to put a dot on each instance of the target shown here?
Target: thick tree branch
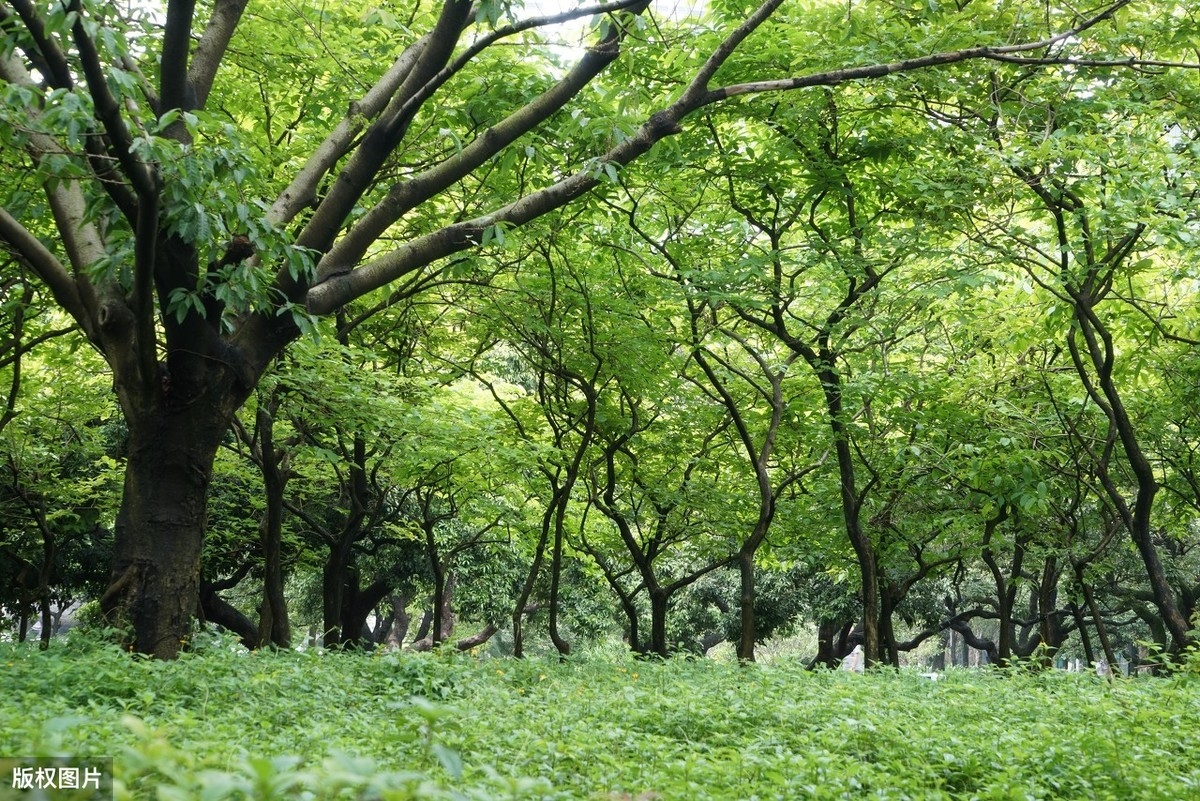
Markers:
(410, 95)
(405, 196)
(211, 49)
(387, 132)
(339, 287)
(173, 87)
(30, 250)
(108, 110)
(49, 58)
(303, 188)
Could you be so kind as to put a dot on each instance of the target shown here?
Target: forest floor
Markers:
(221, 723)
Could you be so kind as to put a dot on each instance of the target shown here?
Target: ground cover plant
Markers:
(225, 723)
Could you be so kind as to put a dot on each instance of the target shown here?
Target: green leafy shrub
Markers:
(222, 723)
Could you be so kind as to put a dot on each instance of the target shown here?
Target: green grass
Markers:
(221, 723)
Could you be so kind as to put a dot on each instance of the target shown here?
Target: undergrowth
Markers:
(221, 723)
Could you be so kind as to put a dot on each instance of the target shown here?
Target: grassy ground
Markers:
(221, 723)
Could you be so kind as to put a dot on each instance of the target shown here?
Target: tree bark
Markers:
(217, 610)
(749, 632)
(273, 627)
(519, 611)
(1098, 622)
(334, 577)
(477, 639)
(827, 629)
(556, 563)
(400, 617)
(160, 528)
(659, 599)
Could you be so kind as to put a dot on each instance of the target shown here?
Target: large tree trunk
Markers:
(1049, 625)
(400, 617)
(658, 621)
(334, 578)
(159, 530)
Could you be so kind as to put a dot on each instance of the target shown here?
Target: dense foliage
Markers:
(449, 322)
(224, 723)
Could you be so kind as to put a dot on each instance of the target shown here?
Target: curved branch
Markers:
(340, 286)
(30, 250)
(990, 53)
(409, 194)
(49, 56)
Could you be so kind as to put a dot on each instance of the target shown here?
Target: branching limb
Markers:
(108, 110)
(340, 286)
(30, 250)
(49, 58)
(303, 188)
(173, 87)
(409, 194)
(211, 49)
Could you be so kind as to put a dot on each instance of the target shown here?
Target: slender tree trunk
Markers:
(438, 571)
(1049, 628)
(1006, 591)
(864, 551)
(749, 635)
(1098, 622)
(1100, 352)
(23, 620)
(556, 560)
(45, 574)
(519, 611)
(47, 624)
(445, 613)
(887, 635)
(1084, 638)
(273, 628)
(631, 615)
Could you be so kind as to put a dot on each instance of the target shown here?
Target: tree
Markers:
(1075, 217)
(57, 477)
(192, 227)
